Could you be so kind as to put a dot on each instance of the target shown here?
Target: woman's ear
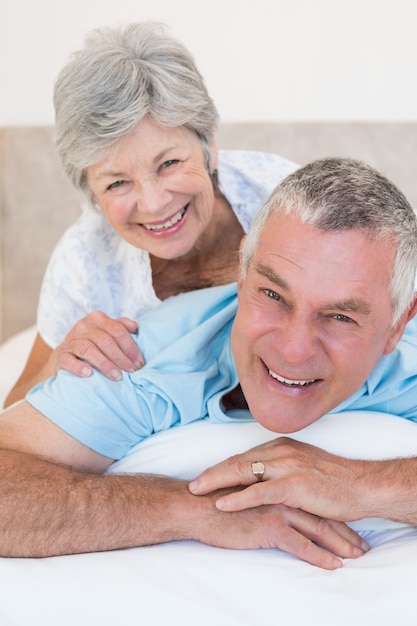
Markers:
(214, 154)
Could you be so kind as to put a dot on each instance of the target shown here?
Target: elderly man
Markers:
(325, 294)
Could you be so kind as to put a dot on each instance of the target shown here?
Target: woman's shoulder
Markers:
(91, 258)
(92, 239)
(92, 268)
(251, 162)
(247, 178)
(90, 228)
(257, 173)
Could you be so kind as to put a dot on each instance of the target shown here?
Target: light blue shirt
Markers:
(189, 367)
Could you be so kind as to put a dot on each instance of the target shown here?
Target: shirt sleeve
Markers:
(187, 363)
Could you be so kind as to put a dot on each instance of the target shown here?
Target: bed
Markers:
(186, 582)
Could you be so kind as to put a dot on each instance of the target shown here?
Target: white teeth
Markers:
(291, 383)
(176, 218)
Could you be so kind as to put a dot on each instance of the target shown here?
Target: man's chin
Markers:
(284, 423)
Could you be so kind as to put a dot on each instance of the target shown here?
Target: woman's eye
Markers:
(169, 163)
(115, 185)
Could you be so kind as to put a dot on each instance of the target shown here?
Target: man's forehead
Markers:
(282, 227)
(286, 230)
(347, 262)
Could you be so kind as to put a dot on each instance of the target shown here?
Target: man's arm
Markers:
(54, 500)
(303, 476)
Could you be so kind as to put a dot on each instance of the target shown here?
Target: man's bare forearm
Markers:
(49, 510)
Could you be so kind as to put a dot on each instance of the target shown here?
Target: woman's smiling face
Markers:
(155, 189)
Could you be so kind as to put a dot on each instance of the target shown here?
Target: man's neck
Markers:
(235, 400)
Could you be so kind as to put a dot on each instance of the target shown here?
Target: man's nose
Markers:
(297, 340)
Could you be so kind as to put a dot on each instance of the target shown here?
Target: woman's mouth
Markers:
(177, 217)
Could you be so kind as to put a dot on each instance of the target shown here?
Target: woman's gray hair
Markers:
(340, 194)
(120, 76)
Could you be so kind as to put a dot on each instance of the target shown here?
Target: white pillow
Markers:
(185, 451)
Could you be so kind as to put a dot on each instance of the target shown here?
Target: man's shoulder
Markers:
(194, 316)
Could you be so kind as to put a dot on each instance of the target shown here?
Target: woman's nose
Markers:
(152, 196)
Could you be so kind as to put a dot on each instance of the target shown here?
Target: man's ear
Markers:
(240, 277)
(399, 326)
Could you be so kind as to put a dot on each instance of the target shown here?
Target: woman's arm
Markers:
(34, 371)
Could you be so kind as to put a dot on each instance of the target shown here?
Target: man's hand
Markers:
(297, 475)
(56, 501)
(313, 539)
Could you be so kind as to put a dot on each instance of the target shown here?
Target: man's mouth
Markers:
(291, 382)
(169, 223)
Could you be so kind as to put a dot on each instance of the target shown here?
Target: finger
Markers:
(88, 354)
(121, 348)
(236, 470)
(329, 537)
(249, 498)
(124, 352)
(304, 548)
(281, 490)
(325, 536)
(349, 534)
(130, 325)
(232, 472)
(113, 337)
(127, 344)
(103, 351)
(70, 363)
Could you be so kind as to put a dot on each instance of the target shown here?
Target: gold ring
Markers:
(258, 470)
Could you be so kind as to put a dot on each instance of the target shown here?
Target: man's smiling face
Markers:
(314, 318)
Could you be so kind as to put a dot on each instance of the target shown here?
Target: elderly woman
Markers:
(135, 130)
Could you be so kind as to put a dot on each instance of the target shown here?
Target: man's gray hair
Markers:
(120, 76)
(340, 194)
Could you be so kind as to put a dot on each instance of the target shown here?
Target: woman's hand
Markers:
(95, 341)
(98, 341)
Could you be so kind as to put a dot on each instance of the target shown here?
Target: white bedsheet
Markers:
(188, 583)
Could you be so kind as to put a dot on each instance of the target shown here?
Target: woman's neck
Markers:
(214, 260)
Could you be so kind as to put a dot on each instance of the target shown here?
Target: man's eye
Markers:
(343, 318)
(272, 294)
